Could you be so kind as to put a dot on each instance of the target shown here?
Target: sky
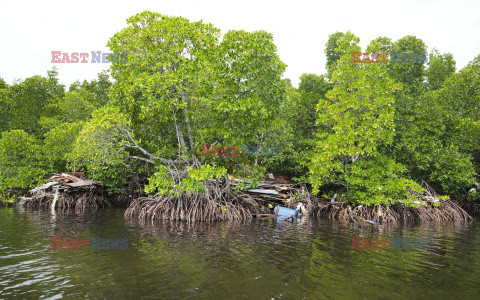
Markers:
(31, 30)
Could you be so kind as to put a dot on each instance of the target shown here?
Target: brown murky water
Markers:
(243, 260)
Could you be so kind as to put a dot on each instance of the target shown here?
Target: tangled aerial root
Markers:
(78, 201)
(189, 207)
(397, 213)
(220, 202)
(431, 210)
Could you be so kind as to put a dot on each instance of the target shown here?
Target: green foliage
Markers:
(451, 169)
(21, 160)
(378, 180)
(384, 44)
(100, 88)
(162, 183)
(355, 120)
(440, 68)
(438, 133)
(5, 103)
(24, 103)
(58, 143)
(474, 196)
(250, 89)
(459, 103)
(6, 197)
(77, 105)
(368, 130)
(245, 105)
(3, 84)
(98, 148)
(333, 52)
(162, 83)
(180, 87)
(251, 174)
(312, 88)
(409, 73)
(296, 125)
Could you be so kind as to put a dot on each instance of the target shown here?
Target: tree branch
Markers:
(129, 137)
(142, 159)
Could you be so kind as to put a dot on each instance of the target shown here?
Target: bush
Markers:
(22, 164)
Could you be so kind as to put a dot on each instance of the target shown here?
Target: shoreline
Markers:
(251, 205)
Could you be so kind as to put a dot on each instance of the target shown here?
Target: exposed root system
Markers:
(220, 201)
(397, 213)
(78, 201)
(473, 208)
(430, 209)
(188, 207)
(217, 203)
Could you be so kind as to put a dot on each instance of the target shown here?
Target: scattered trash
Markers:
(273, 192)
(359, 219)
(285, 213)
(65, 181)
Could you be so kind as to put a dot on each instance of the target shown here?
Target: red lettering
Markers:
(84, 243)
(84, 56)
(75, 57)
(374, 244)
(356, 243)
(74, 244)
(383, 55)
(384, 243)
(56, 242)
(366, 58)
(223, 151)
(365, 244)
(64, 244)
(205, 148)
(356, 57)
(65, 58)
(235, 150)
(55, 58)
(375, 57)
(215, 150)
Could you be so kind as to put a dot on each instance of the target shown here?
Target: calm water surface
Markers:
(242, 260)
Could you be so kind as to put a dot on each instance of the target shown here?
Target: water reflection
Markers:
(250, 259)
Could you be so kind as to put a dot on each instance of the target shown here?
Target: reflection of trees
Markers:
(15, 229)
(336, 270)
(249, 258)
(164, 257)
(253, 259)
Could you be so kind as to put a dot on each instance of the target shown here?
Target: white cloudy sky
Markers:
(30, 30)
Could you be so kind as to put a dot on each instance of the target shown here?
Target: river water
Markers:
(259, 259)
